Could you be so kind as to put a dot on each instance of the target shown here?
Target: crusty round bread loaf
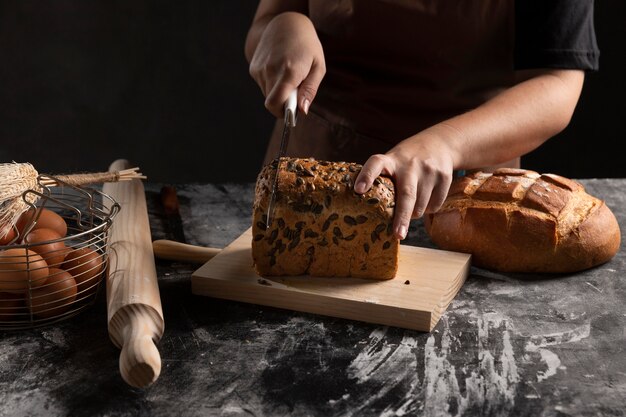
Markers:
(320, 226)
(515, 220)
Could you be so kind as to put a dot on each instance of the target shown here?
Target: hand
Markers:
(289, 55)
(422, 168)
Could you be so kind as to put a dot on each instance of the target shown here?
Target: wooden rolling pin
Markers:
(182, 252)
(135, 316)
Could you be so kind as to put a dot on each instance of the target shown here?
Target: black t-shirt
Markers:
(555, 34)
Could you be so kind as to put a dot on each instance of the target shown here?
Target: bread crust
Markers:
(515, 220)
(321, 227)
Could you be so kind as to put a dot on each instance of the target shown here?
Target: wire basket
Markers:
(45, 276)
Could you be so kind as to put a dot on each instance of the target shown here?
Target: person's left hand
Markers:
(422, 170)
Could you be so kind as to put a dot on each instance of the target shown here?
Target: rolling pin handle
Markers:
(184, 252)
(140, 361)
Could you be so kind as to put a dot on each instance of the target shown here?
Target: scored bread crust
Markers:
(515, 220)
(320, 226)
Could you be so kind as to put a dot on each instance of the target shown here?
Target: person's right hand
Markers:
(289, 55)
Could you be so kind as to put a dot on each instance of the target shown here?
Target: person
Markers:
(421, 89)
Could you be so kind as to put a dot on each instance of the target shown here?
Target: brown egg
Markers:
(85, 265)
(47, 219)
(11, 305)
(8, 237)
(54, 252)
(18, 266)
(56, 296)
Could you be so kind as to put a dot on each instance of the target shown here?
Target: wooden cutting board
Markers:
(426, 282)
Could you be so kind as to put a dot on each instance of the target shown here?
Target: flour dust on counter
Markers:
(39, 367)
(215, 214)
(16, 362)
(478, 361)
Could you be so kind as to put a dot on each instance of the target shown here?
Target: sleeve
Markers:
(555, 34)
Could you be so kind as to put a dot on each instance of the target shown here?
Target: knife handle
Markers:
(169, 199)
(291, 105)
(182, 252)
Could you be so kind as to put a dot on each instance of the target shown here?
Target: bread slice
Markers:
(320, 226)
(515, 220)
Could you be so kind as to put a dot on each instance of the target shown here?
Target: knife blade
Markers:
(290, 121)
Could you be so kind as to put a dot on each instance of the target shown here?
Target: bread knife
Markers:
(290, 121)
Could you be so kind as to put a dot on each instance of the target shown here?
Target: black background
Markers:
(166, 85)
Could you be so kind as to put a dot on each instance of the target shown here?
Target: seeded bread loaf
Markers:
(320, 226)
(515, 220)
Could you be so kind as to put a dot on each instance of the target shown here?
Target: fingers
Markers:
(372, 168)
(406, 196)
(406, 186)
(439, 194)
(309, 86)
(307, 89)
(257, 76)
(419, 193)
(421, 185)
(275, 100)
(406, 189)
(276, 83)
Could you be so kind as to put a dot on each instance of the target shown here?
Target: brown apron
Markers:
(396, 67)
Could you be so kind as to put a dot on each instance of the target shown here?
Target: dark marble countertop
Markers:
(508, 345)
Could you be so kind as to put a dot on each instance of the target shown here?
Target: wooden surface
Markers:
(135, 316)
(426, 282)
(508, 345)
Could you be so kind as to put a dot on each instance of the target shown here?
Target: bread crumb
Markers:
(407, 282)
